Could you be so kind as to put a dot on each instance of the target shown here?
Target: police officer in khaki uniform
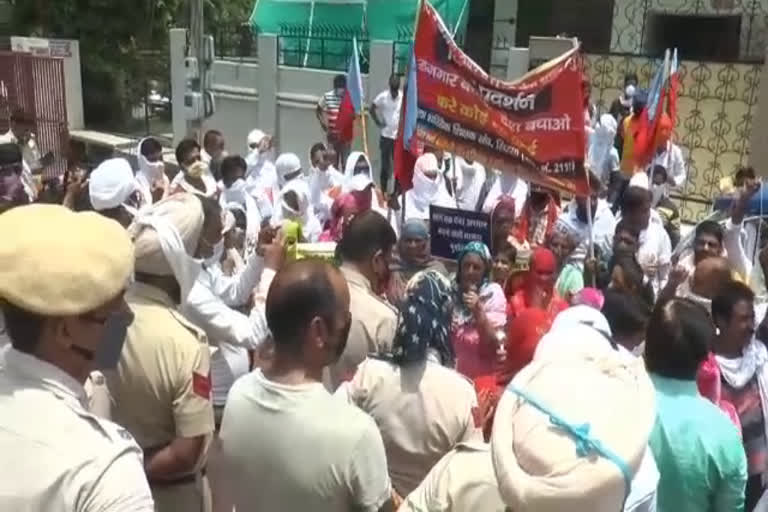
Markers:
(462, 480)
(162, 388)
(366, 252)
(62, 280)
(421, 405)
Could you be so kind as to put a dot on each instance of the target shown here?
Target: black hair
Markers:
(300, 292)
(211, 209)
(339, 81)
(149, 146)
(318, 146)
(366, 234)
(626, 313)
(184, 148)
(240, 219)
(10, 155)
(633, 275)
(659, 169)
(229, 167)
(678, 339)
(24, 328)
(710, 227)
(730, 294)
(629, 77)
(291, 199)
(635, 198)
(212, 137)
(503, 247)
(626, 227)
(742, 174)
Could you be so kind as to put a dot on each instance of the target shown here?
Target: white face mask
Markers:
(252, 158)
(629, 91)
(153, 170)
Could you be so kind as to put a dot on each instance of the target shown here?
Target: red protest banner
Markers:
(533, 127)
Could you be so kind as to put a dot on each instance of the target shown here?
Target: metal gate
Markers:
(33, 98)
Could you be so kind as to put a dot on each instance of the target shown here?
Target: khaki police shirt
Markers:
(374, 322)
(463, 481)
(161, 389)
(423, 410)
(58, 457)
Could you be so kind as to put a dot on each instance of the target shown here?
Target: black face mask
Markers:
(107, 355)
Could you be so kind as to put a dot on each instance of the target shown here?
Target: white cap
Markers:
(111, 184)
(287, 163)
(255, 136)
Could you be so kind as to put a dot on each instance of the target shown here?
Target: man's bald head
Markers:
(710, 275)
(300, 293)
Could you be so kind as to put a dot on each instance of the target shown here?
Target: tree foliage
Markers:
(123, 43)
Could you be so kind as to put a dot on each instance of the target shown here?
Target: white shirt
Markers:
(179, 183)
(298, 448)
(469, 183)
(734, 253)
(388, 111)
(261, 180)
(673, 161)
(58, 456)
(603, 228)
(506, 185)
(422, 410)
(655, 252)
(28, 181)
(611, 164)
(209, 306)
(320, 183)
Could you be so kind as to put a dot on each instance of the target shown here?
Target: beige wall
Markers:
(628, 23)
(714, 122)
(240, 86)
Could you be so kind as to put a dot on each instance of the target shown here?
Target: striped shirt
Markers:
(330, 103)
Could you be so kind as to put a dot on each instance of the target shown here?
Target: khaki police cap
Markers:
(54, 261)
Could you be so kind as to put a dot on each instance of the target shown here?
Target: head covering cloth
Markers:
(424, 320)
(166, 236)
(111, 184)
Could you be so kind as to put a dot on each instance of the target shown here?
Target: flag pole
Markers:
(365, 131)
(413, 49)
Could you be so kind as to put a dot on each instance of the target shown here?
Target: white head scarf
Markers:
(356, 182)
(425, 191)
(600, 143)
(286, 164)
(238, 194)
(111, 184)
(310, 226)
(166, 236)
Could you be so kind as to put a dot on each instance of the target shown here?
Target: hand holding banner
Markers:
(533, 127)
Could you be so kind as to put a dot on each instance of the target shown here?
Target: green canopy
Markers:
(389, 15)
